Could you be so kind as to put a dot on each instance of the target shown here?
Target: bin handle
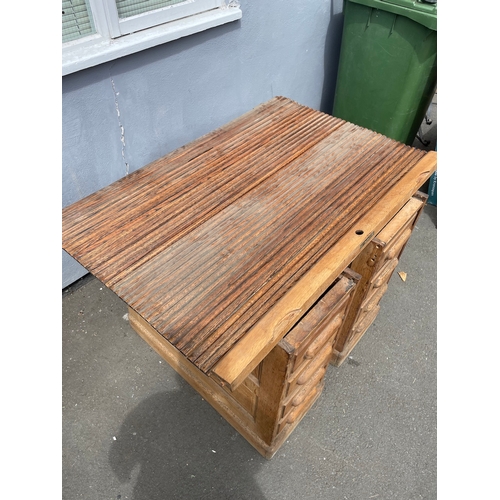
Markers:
(422, 13)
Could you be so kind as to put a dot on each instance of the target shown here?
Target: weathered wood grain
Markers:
(269, 329)
(207, 242)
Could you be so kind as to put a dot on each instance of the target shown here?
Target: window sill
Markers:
(99, 50)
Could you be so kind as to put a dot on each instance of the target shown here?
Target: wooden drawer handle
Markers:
(366, 321)
(389, 267)
(301, 395)
(322, 358)
(394, 250)
(375, 299)
(328, 329)
(296, 412)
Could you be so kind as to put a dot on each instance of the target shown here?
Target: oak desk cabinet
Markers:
(234, 252)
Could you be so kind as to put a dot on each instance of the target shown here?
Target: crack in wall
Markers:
(122, 130)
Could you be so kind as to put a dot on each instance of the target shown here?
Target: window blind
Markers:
(76, 20)
(128, 8)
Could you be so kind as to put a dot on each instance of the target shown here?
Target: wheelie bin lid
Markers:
(420, 11)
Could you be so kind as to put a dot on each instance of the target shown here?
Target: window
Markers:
(96, 31)
(77, 21)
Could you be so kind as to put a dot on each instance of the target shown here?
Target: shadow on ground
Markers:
(174, 446)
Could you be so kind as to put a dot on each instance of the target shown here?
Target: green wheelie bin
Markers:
(387, 73)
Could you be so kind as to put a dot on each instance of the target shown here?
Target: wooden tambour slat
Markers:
(223, 244)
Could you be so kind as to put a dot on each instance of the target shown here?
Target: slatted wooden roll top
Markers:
(222, 245)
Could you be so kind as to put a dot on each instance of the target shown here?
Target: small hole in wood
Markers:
(359, 231)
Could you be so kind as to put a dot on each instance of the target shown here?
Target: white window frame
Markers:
(116, 37)
(128, 25)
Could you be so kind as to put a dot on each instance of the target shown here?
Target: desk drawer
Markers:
(309, 346)
(279, 392)
(384, 275)
(300, 387)
(319, 326)
(362, 324)
(373, 298)
(394, 236)
(376, 264)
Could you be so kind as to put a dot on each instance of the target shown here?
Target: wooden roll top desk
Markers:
(250, 258)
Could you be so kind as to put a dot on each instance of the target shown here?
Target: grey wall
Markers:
(121, 115)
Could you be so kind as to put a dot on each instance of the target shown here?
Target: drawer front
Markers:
(362, 324)
(396, 233)
(308, 366)
(319, 326)
(402, 220)
(384, 274)
(393, 251)
(297, 412)
(373, 297)
(310, 348)
(300, 385)
(376, 264)
(306, 352)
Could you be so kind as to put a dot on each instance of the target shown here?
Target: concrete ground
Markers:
(133, 429)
